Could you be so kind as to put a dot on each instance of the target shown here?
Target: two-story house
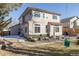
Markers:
(35, 21)
(71, 24)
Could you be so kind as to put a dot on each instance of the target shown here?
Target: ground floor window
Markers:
(37, 28)
(46, 29)
(56, 28)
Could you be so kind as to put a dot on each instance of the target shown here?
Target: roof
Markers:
(14, 25)
(41, 10)
(68, 19)
(53, 23)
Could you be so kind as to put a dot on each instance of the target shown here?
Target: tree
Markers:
(5, 9)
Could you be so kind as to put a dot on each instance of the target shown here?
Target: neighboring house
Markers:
(14, 30)
(36, 21)
(71, 24)
(4, 25)
(5, 32)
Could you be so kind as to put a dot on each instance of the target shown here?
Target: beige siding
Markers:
(48, 18)
(53, 33)
(72, 23)
(30, 21)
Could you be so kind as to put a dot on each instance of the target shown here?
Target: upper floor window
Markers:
(36, 14)
(54, 17)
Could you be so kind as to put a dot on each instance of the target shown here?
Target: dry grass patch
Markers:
(50, 49)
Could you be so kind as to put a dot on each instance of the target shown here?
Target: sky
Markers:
(65, 9)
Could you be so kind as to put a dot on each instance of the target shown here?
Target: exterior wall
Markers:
(66, 24)
(48, 18)
(24, 29)
(42, 21)
(73, 28)
(24, 24)
(14, 30)
(60, 31)
(30, 20)
(77, 22)
(52, 31)
(42, 28)
(72, 22)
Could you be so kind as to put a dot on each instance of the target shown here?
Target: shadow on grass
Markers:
(34, 51)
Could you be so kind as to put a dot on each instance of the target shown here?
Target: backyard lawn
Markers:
(55, 48)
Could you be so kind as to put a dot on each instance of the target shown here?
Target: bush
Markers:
(77, 43)
(46, 38)
(3, 47)
(40, 37)
(48, 35)
(32, 39)
(78, 37)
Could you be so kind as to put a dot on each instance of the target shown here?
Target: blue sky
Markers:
(65, 9)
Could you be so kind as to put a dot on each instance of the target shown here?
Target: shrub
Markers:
(46, 38)
(78, 37)
(40, 35)
(39, 38)
(3, 47)
(32, 39)
(77, 43)
(48, 35)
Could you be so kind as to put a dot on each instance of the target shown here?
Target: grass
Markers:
(51, 49)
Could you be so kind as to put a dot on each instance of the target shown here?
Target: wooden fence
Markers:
(71, 31)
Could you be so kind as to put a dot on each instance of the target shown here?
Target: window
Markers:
(56, 28)
(43, 15)
(37, 28)
(36, 14)
(54, 17)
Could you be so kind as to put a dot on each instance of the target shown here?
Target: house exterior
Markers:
(14, 30)
(35, 21)
(4, 25)
(71, 24)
